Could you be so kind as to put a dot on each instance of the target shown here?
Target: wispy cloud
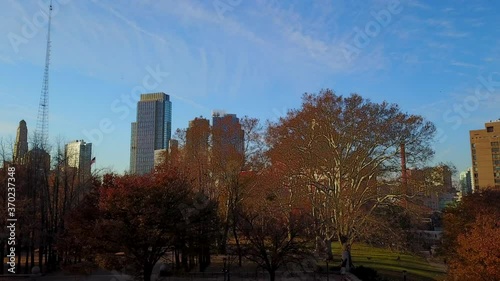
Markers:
(489, 59)
(439, 22)
(417, 4)
(464, 64)
(438, 45)
(6, 59)
(475, 22)
(129, 22)
(453, 34)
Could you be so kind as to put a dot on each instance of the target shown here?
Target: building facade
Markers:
(21, 144)
(78, 155)
(466, 182)
(485, 154)
(197, 135)
(152, 131)
(227, 134)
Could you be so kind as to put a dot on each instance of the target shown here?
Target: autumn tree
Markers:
(389, 225)
(338, 148)
(471, 237)
(274, 232)
(139, 216)
(236, 148)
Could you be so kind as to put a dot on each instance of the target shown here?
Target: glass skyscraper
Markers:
(151, 132)
(78, 154)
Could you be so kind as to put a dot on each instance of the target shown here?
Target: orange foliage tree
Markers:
(472, 237)
(337, 148)
(142, 217)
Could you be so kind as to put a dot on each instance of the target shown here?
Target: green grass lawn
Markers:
(387, 264)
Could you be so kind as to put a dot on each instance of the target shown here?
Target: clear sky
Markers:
(439, 59)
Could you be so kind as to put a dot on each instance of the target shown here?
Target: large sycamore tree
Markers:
(338, 149)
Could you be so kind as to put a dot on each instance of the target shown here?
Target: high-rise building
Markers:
(466, 182)
(78, 155)
(21, 145)
(485, 152)
(197, 153)
(151, 131)
(227, 134)
(197, 135)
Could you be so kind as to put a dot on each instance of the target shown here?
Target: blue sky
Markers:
(439, 59)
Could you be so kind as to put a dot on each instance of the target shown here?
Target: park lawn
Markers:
(387, 264)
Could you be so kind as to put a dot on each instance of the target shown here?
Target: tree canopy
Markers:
(338, 147)
(471, 237)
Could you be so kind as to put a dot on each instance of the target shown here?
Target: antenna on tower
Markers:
(42, 124)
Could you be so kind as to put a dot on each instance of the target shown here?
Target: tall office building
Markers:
(197, 135)
(466, 182)
(151, 131)
(197, 153)
(227, 133)
(78, 155)
(485, 152)
(21, 145)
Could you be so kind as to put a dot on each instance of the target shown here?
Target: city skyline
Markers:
(439, 61)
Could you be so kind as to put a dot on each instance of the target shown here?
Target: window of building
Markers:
(489, 129)
(494, 144)
(497, 180)
(495, 150)
(473, 145)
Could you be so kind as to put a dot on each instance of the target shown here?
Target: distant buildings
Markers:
(485, 152)
(78, 155)
(466, 182)
(432, 187)
(21, 144)
(227, 134)
(151, 131)
(197, 136)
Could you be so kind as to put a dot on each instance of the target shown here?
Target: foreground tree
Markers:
(471, 237)
(139, 218)
(338, 148)
(274, 230)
